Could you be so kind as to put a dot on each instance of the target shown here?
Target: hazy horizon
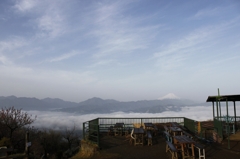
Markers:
(167, 96)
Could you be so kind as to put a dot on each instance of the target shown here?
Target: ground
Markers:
(118, 147)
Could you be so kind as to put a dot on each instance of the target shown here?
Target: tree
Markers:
(51, 142)
(71, 136)
(12, 119)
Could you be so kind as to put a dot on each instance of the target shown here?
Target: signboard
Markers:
(28, 144)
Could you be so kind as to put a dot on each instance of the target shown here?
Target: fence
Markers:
(93, 128)
(190, 124)
(226, 125)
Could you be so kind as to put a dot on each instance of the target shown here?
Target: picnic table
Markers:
(138, 136)
(118, 129)
(174, 124)
(185, 143)
(149, 126)
(175, 131)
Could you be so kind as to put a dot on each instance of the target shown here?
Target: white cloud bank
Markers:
(60, 120)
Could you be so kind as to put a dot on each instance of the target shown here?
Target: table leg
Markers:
(193, 151)
(183, 155)
(135, 139)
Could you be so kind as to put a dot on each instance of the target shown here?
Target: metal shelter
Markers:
(223, 98)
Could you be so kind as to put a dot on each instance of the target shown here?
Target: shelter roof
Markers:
(224, 98)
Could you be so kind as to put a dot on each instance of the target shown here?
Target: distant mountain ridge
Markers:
(34, 103)
(96, 105)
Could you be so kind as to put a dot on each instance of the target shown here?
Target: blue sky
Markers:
(124, 50)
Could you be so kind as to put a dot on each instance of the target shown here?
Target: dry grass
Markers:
(16, 156)
(99, 155)
(235, 137)
(138, 125)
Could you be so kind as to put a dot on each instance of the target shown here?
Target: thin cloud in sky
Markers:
(51, 24)
(120, 36)
(12, 43)
(207, 12)
(4, 60)
(102, 63)
(64, 56)
(176, 52)
(25, 5)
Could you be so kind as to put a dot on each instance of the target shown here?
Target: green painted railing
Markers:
(91, 131)
(221, 125)
(93, 128)
(190, 124)
(218, 127)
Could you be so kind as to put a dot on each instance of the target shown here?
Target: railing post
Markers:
(228, 127)
(98, 136)
(213, 109)
(84, 130)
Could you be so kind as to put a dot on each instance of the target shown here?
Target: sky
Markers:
(125, 50)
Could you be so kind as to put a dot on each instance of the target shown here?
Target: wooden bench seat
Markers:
(167, 136)
(172, 149)
(155, 130)
(201, 150)
(187, 134)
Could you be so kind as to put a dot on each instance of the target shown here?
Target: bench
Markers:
(127, 131)
(149, 138)
(155, 130)
(110, 130)
(172, 149)
(167, 136)
(166, 128)
(187, 134)
(201, 150)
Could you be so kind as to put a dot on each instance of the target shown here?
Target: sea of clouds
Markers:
(62, 120)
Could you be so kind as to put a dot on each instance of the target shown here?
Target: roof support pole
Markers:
(220, 113)
(217, 109)
(228, 127)
(227, 110)
(219, 104)
(213, 110)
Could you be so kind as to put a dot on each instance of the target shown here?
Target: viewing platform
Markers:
(115, 137)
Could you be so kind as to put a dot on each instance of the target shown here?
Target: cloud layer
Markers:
(60, 120)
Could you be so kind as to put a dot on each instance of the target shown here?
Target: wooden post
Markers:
(199, 127)
(26, 144)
